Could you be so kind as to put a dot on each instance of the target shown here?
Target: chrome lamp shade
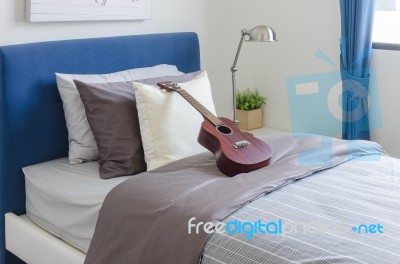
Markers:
(260, 33)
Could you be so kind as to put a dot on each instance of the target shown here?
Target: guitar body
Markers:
(235, 151)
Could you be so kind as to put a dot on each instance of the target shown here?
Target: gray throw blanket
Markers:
(145, 219)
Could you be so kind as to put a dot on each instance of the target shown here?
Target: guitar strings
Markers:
(199, 107)
(208, 115)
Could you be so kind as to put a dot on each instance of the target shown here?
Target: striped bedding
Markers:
(347, 214)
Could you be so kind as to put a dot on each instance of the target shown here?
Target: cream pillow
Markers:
(169, 125)
(82, 145)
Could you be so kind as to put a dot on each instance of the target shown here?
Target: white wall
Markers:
(174, 15)
(302, 28)
(387, 65)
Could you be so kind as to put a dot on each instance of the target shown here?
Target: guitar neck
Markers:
(199, 107)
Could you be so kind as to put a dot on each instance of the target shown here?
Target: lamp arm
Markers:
(238, 50)
(233, 71)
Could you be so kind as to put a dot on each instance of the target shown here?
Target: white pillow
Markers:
(169, 125)
(82, 146)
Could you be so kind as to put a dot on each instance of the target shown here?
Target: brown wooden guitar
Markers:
(235, 151)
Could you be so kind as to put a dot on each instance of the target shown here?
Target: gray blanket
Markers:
(324, 220)
(145, 219)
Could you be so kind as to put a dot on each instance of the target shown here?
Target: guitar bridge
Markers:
(241, 144)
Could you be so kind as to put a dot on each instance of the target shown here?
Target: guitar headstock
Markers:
(169, 86)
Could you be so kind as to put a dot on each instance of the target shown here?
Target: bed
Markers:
(350, 189)
(33, 127)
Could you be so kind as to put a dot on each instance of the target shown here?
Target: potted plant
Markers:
(249, 109)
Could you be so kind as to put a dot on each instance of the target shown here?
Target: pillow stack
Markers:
(127, 126)
(82, 146)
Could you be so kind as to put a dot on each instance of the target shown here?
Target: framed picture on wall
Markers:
(78, 10)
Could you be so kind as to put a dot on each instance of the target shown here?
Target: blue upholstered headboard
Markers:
(32, 123)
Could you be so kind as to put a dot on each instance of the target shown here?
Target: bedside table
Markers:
(266, 131)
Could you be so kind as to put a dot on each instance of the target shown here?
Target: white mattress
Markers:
(65, 199)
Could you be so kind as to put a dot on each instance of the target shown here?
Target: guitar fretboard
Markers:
(199, 107)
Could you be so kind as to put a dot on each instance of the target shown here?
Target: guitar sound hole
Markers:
(224, 130)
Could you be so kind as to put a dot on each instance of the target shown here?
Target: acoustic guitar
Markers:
(235, 151)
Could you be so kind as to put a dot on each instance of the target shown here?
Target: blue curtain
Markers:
(356, 45)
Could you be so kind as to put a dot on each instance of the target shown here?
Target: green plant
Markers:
(249, 100)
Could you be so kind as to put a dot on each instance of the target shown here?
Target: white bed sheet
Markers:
(65, 199)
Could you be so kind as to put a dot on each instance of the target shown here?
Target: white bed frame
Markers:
(34, 245)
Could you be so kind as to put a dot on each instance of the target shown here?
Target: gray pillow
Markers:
(112, 115)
